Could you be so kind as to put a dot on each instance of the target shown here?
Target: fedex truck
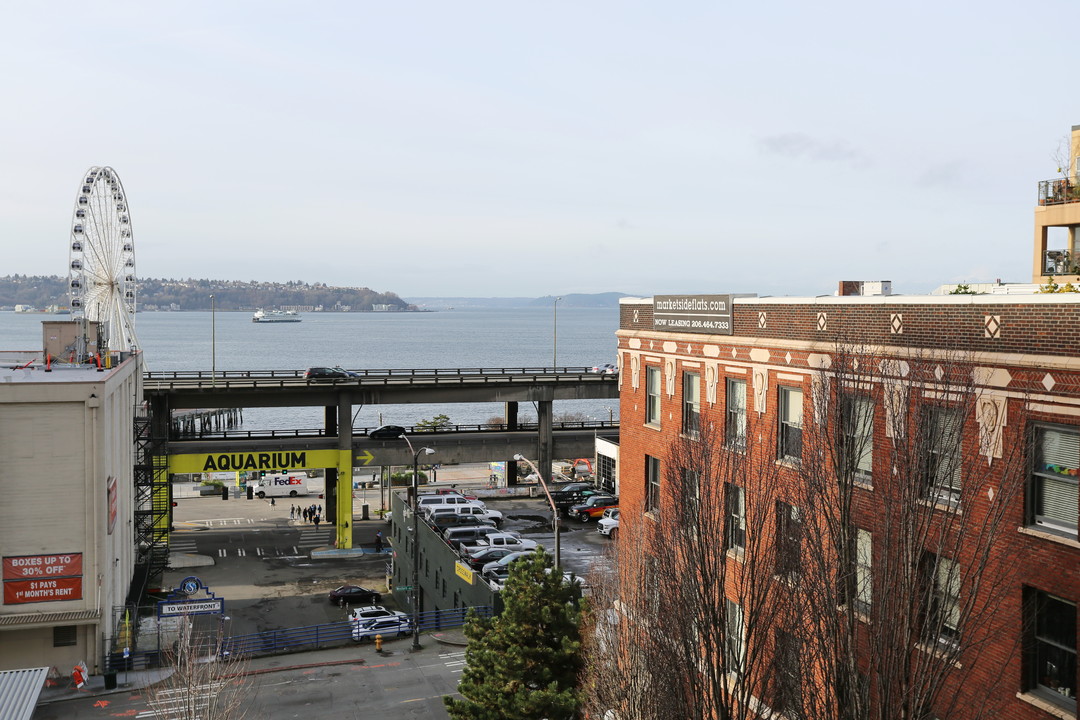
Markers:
(279, 485)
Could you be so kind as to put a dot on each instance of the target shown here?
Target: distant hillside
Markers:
(572, 300)
(41, 291)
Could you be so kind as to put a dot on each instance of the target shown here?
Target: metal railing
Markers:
(1059, 191)
(393, 376)
(409, 430)
(315, 637)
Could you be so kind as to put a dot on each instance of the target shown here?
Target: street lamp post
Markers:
(555, 334)
(554, 510)
(416, 537)
(213, 342)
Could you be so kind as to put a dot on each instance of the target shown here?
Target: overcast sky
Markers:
(514, 148)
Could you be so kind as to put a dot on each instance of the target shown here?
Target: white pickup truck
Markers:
(506, 540)
(280, 485)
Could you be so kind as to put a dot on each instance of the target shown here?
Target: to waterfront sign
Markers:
(42, 578)
(693, 314)
(167, 608)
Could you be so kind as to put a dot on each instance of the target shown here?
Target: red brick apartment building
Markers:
(853, 506)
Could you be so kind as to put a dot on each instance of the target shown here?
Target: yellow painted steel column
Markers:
(344, 519)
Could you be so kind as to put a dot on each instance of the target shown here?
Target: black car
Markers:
(386, 432)
(328, 373)
(354, 595)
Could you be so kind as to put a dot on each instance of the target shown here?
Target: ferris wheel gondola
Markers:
(101, 259)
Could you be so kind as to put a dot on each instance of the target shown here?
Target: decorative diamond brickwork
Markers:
(822, 321)
(993, 326)
(761, 320)
(896, 323)
(1048, 382)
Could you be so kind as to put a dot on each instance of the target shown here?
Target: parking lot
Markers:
(259, 560)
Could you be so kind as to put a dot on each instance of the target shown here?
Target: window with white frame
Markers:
(652, 395)
(652, 484)
(735, 425)
(857, 415)
(942, 617)
(863, 567)
(734, 642)
(735, 523)
(1052, 494)
(1051, 645)
(941, 435)
(691, 416)
(790, 427)
(788, 540)
(605, 472)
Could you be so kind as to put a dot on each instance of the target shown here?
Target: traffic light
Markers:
(262, 473)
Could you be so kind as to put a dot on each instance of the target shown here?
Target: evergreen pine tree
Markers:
(524, 664)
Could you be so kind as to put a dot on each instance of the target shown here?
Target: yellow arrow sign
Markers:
(364, 457)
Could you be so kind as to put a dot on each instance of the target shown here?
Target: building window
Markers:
(787, 674)
(788, 540)
(942, 441)
(734, 649)
(857, 414)
(790, 424)
(691, 416)
(65, 636)
(943, 599)
(691, 481)
(736, 413)
(652, 396)
(1053, 497)
(863, 595)
(735, 526)
(605, 472)
(1051, 647)
(652, 484)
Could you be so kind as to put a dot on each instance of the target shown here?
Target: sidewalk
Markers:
(342, 655)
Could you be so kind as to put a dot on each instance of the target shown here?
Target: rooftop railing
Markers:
(1059, 191)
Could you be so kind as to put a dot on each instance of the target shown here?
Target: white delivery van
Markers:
(279, 485)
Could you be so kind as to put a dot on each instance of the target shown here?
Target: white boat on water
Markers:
(275, 316)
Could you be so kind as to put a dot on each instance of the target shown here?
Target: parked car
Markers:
(496, 577)
(426, 502)
(474, 510)
(458, 537)
(386, 432)
(314, 374)
(353, 594)
(593, 507)
(363, 614)
(605, 369)
(609, 523)
(444, 522)
(483, 556)
(385, 626)
(505, 560)
(508, 540)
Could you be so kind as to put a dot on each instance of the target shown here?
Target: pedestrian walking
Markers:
(305, 514)
(320, 510)
(292, 512)
(317, 518)
(378, 541)
(272, 503)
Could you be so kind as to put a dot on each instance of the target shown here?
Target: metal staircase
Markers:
(152, 508)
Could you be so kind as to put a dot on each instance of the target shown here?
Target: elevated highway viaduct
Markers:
(338, 449)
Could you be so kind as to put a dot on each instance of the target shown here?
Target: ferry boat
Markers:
(275, 316)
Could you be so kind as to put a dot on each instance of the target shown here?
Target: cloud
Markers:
(799, 145)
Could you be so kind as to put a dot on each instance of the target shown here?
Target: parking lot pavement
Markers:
(582, 548)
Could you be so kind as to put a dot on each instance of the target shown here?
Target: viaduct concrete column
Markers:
(511, 415)
(545, 442)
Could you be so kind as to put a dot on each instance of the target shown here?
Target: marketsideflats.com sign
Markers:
(693, 313)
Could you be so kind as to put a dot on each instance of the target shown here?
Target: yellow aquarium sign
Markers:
(463, 572)
(277, 460)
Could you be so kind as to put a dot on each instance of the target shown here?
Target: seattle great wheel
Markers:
(101, 260)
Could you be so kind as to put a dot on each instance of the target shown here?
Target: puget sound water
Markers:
(450, 339)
